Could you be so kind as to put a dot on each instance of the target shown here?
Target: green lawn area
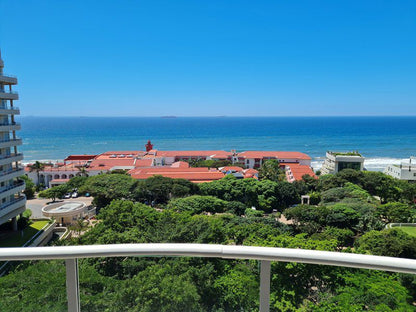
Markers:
(16, 239)
(411, 230)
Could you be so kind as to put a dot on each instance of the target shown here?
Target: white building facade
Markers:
(405, 171)
(337, 161)
(12, 200)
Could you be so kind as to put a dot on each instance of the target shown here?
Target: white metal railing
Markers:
(265, 255)
(10, 140)
(8, 91)
(9, 107)
(9, 187)
(10, 171)
(18, 199)
(8, 75)
(10, 155)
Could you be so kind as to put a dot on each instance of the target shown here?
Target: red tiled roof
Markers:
(123, 153)
(275, 154)
(61, 167)
(191, 174)
(59, 180)
(295, 172)
(143, 163)
(250, 171)
(180, 164)
(79, 157)
(231, 168)
(160, 170)
(108, 163)
(191, 153)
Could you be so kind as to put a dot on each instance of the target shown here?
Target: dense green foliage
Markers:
(158, 189)
(270, 170)
(265, 195)
(54, 192)
(29, 187)
(211, 163)
(348, 213)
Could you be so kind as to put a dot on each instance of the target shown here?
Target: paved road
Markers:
(36, 204)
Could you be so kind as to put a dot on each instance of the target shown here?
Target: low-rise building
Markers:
(406, 170)
(337, 161)
(174, 164)
(295, 172)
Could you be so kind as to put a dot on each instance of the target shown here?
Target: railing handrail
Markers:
(10, 124)
(8, 91)
(10, 171)
(9, 187)
(20, 198)
(10, 140)
(213, 251)
(8, 75)
(10, 107)
(11, 155)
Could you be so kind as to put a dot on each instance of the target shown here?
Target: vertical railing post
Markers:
(265, 286)
(72, 285)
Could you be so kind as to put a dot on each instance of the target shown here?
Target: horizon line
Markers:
(215, 116)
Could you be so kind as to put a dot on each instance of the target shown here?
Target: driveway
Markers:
(36, 204)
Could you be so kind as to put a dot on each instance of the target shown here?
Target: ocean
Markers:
(381, 140)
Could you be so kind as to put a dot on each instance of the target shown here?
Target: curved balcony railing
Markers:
(10, 171)
(12, 141)
(10, 155)
(8, 75)
(9, 107)
(8, 91)
(10, 187)
(264, 254)
(18, 199)
(7, 125)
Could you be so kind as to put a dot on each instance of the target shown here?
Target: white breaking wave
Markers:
(371, 164)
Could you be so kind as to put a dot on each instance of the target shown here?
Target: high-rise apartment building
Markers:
(12, 200)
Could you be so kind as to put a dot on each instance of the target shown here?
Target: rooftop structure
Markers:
(12, 201)
(405, 171)
(337, 161)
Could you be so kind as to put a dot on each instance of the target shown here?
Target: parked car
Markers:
(74, 195)
(67, 195)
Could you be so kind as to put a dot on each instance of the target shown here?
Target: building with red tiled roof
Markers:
(143, 163)
(75, 158)
(174, 164)
(180, 164)
(196, 175)
(231, 169)
(169, 157)
(250, 173)
(295, 172)
(254, 159)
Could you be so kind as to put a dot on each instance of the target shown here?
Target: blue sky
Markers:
(209, 58)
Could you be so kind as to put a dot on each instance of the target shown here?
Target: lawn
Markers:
(18, 239)
(411, 230)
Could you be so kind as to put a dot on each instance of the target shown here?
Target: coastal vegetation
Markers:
(348, 214)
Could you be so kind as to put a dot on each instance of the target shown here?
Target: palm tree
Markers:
(37, 166)
(83, 172)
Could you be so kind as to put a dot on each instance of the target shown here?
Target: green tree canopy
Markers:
(107, 187)
(270, 170)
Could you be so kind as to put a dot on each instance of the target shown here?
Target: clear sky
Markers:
(210, 58)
